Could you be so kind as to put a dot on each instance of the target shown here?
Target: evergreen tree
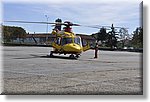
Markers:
(137, 40)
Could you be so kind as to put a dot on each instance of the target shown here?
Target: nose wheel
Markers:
(74, 56)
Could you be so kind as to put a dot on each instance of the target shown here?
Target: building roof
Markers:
(83, 36)
(40, 35)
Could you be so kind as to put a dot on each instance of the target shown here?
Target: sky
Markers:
(122, 13)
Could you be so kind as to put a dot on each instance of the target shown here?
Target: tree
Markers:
(102, 35)
(111, 40)
(10, 33)
(137, 40)
(124, 38)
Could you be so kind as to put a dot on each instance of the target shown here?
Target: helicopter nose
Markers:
(73, 48)
(76, 48)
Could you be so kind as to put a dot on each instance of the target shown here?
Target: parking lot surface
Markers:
(28, 70)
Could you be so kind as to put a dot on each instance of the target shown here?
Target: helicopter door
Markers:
(56, 44)
(86, 45)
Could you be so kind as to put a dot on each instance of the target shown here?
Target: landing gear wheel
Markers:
(51, 54)
(77, 56)
(71, 56)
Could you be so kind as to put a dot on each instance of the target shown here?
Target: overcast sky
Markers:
(124, 13)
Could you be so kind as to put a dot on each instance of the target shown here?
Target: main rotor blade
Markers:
(31, 22)
(76, 25)
(98, 26)
(58, 23)
(90, 26)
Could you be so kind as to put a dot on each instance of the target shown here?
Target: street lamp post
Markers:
(47, 23)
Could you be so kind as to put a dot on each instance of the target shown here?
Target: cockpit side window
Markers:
(84, 43)
(77, 40)
(57, 41)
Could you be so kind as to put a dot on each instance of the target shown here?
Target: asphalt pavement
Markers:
(28, 70)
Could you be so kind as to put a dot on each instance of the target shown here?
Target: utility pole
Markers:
(47, 23)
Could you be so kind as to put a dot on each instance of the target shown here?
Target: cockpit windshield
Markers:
(66, 41)
(76, 40)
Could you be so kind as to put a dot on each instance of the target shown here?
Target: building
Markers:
(47, 39)
(40, 38)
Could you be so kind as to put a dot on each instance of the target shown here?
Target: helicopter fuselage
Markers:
(68, 43)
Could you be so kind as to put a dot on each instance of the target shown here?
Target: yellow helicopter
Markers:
(66, 42)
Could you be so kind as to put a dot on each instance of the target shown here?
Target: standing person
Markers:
(96, 50)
